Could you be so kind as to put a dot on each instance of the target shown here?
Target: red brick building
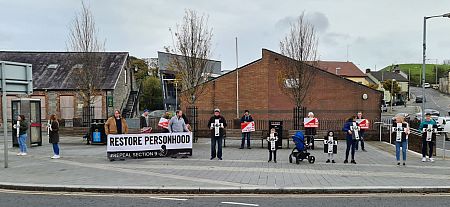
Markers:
(330, 96)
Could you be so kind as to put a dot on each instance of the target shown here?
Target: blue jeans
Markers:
(361, 139)
(56, 149)
(350, 146)
(244, 135)
(404, 146)
(23, 143)
(219, 147)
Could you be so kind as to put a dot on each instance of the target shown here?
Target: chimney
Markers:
(367, 70)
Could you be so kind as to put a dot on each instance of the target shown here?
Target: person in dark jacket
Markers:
(246, 118)
(361, 134)
(350, 138)
(310, 132)
(400, 132)
(22, 138)
(271, 145)
(53, 135)
(144, 122)
(427, 144)
(217, 124)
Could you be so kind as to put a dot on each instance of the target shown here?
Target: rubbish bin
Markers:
(97, 133)
(278, 125)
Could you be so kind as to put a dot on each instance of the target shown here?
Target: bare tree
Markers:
(300, 45)
(83, 39)
(192, 45)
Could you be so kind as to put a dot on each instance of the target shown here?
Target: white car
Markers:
(444, 123)
(426, 85)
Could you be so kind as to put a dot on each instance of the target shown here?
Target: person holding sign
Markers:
(272, 146)
(144, 122)
(177, 124)
(53, 135)
(246, 118)
(21, 127)
(217, 124)
(352, 130)
(116, 124)
(310, 129)
(359, 120)
(428, 127)
(330, 146)
(400, 131)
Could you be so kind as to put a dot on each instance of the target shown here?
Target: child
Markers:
(330, 146)
(272, 139)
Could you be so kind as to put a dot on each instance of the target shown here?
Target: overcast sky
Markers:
(377, 33)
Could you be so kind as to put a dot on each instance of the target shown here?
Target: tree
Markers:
(151, 97)
(142, 68)
(300, 45)
(387, 85)
(193, 45)
(84, 40)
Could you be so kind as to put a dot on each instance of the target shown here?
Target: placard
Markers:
(123, 146)
(363, 123)
(248, 126)
(311, 122)
(164, 123)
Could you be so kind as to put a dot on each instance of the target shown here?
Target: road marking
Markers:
(242, 204)
(172, 199)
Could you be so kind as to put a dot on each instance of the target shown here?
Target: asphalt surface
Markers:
(435, 100)
(50, 199)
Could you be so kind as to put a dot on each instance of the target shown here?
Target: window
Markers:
(43, 107)
(66, 107)
(98, 107)
(291, 83)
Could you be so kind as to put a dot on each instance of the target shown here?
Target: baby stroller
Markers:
(299, 153)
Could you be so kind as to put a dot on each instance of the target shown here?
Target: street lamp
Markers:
(392, 92)
(424, 55)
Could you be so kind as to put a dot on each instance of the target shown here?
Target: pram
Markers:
(299, 153)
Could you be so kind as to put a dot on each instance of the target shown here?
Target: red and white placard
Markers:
(164, 123)
(363, 123)
(248, 126)
(311, 122)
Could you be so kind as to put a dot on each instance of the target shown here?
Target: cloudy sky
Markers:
(377, 33)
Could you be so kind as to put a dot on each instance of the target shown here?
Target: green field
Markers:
(416, 70)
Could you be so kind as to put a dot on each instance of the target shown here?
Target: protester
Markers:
(246, 118)
(217, 122)
(329, 142)
(22, 138)
(350, 138)
(116, 124)
(310, 132)
(176, 123)
(361, 134)
(427, 146)
(167, 116)
(272, 146)
(186, 121)
(145, 122)
(53, 135)
(402, 130)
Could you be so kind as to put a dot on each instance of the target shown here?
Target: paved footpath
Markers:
(86, 167)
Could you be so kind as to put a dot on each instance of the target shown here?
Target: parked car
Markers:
(420, 99)
(384, 106)
(435, 86)
(444, 124)
(157, 113)
(399, 102)
(434, 114)
(426, 85)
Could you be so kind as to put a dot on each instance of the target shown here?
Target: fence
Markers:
(87, 116)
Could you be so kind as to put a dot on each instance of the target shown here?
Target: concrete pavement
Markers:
(85, 168)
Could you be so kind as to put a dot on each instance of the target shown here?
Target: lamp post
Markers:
(392, 92)
(424, 55)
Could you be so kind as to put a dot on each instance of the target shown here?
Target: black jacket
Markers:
(246, 119)
(53, 137)
(221, 120)
(143, 122)
(23, 127)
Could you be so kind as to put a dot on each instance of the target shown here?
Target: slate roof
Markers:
(381, 76)
(53, 70)
(347, 69)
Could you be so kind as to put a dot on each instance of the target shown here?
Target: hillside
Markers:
(416, 70)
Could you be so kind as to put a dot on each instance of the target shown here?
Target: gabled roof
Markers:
(54, 70)
(346, 69)
(384, 75)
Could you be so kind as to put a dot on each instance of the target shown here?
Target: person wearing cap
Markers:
(217, 139)
(427, 146)
(144, 120)
(244, 119)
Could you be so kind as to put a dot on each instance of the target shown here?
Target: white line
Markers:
(242, 204)
(172, 199)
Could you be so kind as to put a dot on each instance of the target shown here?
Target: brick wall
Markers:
(329, 96)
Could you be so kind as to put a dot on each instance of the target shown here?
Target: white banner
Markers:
(148, 145)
